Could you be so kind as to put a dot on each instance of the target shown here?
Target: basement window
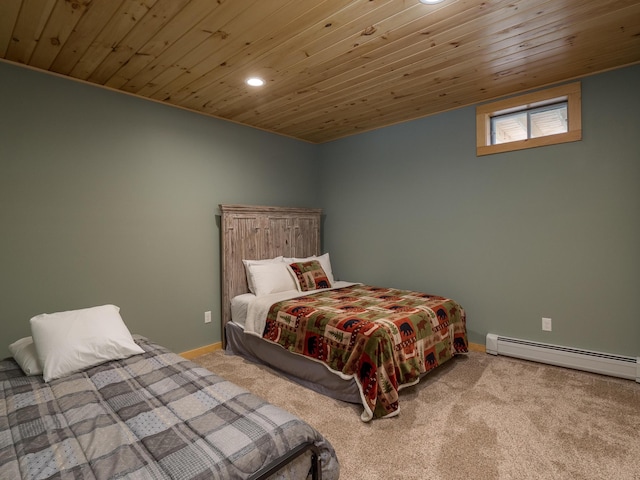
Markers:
(542, 118)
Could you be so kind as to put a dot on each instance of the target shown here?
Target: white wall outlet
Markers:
(546, 324)
(207, 317)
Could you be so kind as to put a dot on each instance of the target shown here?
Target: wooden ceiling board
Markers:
(248, 59)
(213, 54)
(121, 23)
(158, 42)
(164, 66)
(333, 67)
(320, 59)
(158, 17)
(427, 64)
(60, 25)
(27, 32)
(391, 63)
(97, 15)
(9, 11)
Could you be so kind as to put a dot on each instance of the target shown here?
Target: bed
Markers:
(149, 415)
(357, 343)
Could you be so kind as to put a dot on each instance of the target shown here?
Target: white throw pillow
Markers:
(271, 278)
(249, 263)
(71, 341)
(325, 263)
(24, 352)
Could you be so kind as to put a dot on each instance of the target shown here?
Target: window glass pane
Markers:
(509, 128)
(549, 120)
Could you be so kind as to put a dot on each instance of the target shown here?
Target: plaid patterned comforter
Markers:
(385, 338)
(151, 416)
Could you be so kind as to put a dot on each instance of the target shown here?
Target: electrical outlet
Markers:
(207, 317)
(546, 324)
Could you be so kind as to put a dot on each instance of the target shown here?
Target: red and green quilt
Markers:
(385, 338)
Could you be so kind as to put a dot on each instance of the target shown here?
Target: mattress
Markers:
(250, 306)
(151, 416)
(385, 339)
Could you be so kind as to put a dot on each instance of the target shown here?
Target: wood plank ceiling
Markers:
(332, 68)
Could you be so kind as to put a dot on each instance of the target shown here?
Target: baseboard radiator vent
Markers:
(596, 362)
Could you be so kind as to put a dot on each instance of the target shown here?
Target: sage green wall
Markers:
(546, 232)
(107, 198)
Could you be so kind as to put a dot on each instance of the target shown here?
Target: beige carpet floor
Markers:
(478, 417)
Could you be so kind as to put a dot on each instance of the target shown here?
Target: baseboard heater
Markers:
(597, 362)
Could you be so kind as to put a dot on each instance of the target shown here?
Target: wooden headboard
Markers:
(255, 233)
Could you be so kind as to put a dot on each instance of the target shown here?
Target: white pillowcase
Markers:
(270, 278)
(249, 263)
(325, 263)
(24, 352)
(71, 341)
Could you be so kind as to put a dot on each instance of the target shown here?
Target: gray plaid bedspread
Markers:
(151, 416)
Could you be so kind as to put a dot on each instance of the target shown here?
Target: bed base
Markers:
(317, 376)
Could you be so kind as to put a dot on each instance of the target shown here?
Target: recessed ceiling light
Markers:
(255, 82)
(430, 2)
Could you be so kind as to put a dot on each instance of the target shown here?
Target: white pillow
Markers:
(271, 278)
(24, 352)
(67, 342)
(249, 263)
(324, 260)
